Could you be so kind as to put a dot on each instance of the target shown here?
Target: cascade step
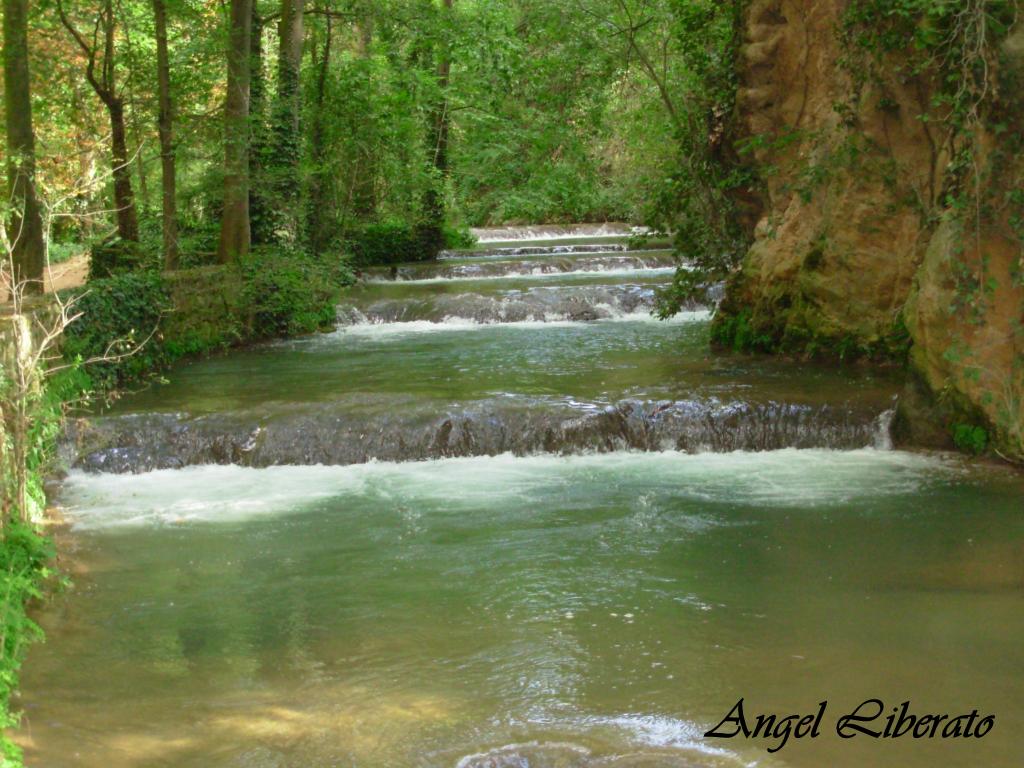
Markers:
(475, 269)
(333, 434)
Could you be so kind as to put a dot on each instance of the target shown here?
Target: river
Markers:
(502, 518)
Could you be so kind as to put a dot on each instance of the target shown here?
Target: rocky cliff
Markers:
(891, 203)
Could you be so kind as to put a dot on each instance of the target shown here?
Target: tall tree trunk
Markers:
(234, 231)
(364, 188)
(140, 161)
(259, 213)
(289, 63)
(314, 220)
(437, 146)
(26, 226)
(165, 127)
(124, 199)
(284, 155)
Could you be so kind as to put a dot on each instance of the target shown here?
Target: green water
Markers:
(598, 362)
(414, 614)
(526, 612)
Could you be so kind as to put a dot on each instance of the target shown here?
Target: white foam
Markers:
(661, 732)
(555, 232)
(643, 733)
(526, 236)
(469, 324)
(619, 272)
(791, 477)
(202, 493)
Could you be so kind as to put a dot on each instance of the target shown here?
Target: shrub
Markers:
(458, 238)
(118, 313)
(396, 242)
(289, 294)
(738, 333)
(385, 243)
(281, 294)
(114, 256)
(24, 554)
(197, 246)
(197, 240)
(970, 438)
(59, 253)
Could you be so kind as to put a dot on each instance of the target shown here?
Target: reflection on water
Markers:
(543, 611)
(443, 363)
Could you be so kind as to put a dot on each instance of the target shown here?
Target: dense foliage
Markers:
(552, 112)
(287, 295)
(394, 242)
(24, 558)
(135, 324)
(117, 314)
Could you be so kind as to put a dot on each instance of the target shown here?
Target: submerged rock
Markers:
(334, 434)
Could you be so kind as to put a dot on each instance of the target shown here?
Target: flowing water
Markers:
(501, 518)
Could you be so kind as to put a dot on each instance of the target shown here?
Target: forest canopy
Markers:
(348, 117)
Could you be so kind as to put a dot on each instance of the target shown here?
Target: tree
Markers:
(364, 193)
(317, 185)
(234, 231)
(439, 123)
(26, 228)
(165, 127)
(259, 209)
(287, 140)
(105, 86)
